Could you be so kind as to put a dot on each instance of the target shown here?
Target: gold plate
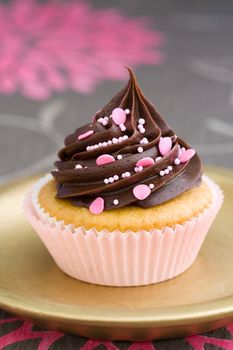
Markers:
(32, 286)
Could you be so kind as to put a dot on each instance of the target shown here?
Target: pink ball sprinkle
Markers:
(97, 206)
(187, 155)
(104, 159)
(141, 191)
(165, 145)
(85, 135)
(119, 116)
(147, 161)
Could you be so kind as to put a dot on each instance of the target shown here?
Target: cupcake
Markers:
(128, 204)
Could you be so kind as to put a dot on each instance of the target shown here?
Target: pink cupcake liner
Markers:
(121, 258)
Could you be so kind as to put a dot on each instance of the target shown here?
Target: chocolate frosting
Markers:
(81, 180)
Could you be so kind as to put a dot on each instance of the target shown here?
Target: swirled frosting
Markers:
(128, 155)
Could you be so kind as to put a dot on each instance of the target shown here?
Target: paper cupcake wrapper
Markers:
(121, 258)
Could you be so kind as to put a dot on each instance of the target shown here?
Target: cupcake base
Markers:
(122, 258)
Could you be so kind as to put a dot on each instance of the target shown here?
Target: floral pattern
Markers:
(54, 46)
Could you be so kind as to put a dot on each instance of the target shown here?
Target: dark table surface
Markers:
(60, 62)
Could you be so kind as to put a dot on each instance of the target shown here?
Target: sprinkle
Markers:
(122, 127)
(151, 186)
(110, 142)
(106, 118)
(119, 156)
(105, 122)
(115, 202)
(125, 137)
(97, 206)
(177, 161)
(141, 121)
(100, 120)
(85, 135)
(127, 174)
(88, 148)
(115, 140)
(166, 171)
(100, 144)
(169, 168)
(158, 158)
(120, 139)
(95, 146)
(187, 155)
(106, 181)
(140, 149)
(142, 130)
(116, 177)
(111, 180)
(147, 161)
(144, 140)
(78, 166)
(141, 191)
(104, 159)
(118, 116)
(127, 111)
(165, 145)
(140, 168)
(161, 173)
(136, 169)
(105, 144)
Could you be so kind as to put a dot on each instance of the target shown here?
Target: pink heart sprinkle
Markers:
(97, 206)
(165, 145)
(85, 135)
(147, 161)
(187, 155)
(104, 159)
(141, 191)
(118, 116)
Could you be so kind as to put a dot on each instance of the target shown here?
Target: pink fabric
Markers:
(54, 46)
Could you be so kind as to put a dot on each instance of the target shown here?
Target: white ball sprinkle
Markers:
(88, 148)
(78, 166)
(119, 156)
(115, 202)
(141, 121)
(158, 158)
(161, 173)
(106, 181)
(166, 171)
(120, 139)
(136, 169)
(140, 168)
(105, 122)
(95, 146)
(151, 186)
(106, 118)
(127, 174)
(142, 130)
(125, 137)
(100, 120)
(169, 168)
(100, 144)
(140, 149)
(177, 161)
(127, 111)
(111, 180)
(114, 140)
(110, 142)
(116, 177)
(122, 127)
(105, 144)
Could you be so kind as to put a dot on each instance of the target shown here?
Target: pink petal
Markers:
(97, 206)
(187, 155)
(147, 161)
(104, 159)
(118, 116)
(141, 191)
(85, 135)
(165, 145)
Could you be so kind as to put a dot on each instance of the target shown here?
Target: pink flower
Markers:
(50, 47)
